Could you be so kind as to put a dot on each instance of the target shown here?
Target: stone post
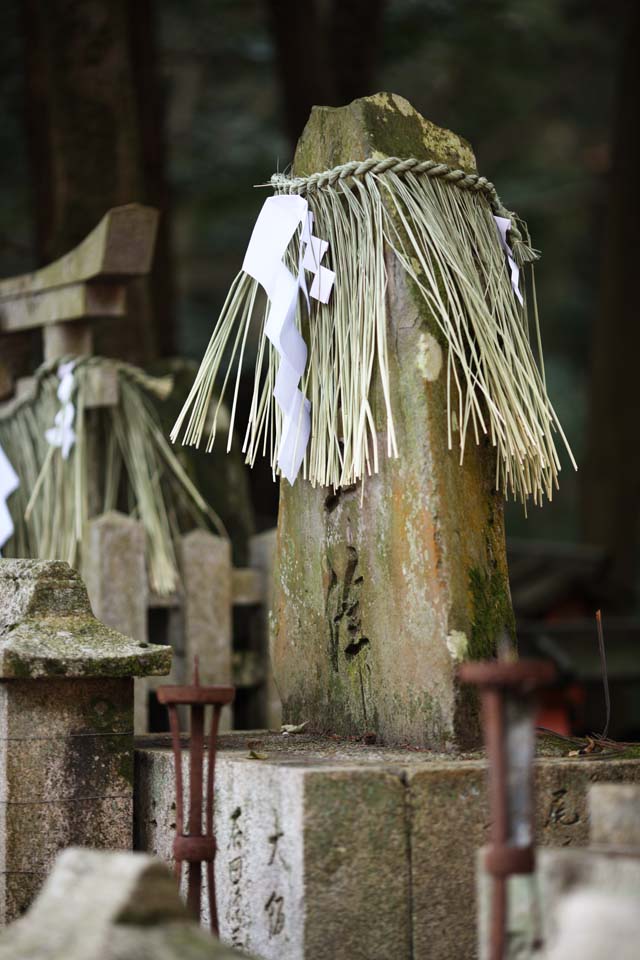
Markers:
(66, 725)
(380, 593)
(206, 569)
(115, 571)
(205, 565)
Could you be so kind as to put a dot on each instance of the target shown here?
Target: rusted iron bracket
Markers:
(507, 692)
(195, 847)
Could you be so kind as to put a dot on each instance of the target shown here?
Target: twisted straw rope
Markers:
(429, 168)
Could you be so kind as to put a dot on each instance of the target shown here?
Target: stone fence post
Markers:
(66, 725)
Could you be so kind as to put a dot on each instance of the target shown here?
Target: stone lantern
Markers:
(66, 725)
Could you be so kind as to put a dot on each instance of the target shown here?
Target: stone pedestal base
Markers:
(329, 850)
(65, 776)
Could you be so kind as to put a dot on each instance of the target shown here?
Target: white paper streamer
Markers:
(62, 433)
(503, 224)
(8, 483)
(275, 227)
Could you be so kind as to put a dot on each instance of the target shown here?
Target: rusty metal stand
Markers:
(196, 847)
(504, 685)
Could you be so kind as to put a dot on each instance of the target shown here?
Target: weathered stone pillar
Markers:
(205, 565)
(380, 593)
(115, 572)
(66, 725)
(206, 569)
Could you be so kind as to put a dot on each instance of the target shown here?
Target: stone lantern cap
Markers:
(47, 629)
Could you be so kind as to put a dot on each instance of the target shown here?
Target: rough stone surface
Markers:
(47, 628)
(109, 906)
(206, 569)
(115, 573)
(114, 569)
(312, 858)
(568, 821)
(205, 565)
(66, 776)
(596, 924)
(357, 851)
(379, 593)
(614, 809)
(66, 725)
(450, 821)
(262, 554)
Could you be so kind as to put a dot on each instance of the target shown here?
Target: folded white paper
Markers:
(62, 434)
(8, 483)
(314, 252)
(504, 224)
(322, 284)
(274, 229)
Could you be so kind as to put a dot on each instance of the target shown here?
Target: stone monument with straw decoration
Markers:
(400, 392)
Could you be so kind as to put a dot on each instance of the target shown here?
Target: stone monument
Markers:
(381, 591)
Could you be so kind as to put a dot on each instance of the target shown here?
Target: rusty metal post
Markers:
(507, 693)
(196, 847)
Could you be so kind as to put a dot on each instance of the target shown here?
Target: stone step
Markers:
(333, 850)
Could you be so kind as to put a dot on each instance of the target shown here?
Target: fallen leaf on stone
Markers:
(288, 728)
(253, 755)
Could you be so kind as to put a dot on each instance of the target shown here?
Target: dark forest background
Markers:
(185, 104)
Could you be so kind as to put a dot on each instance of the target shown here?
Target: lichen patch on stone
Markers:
(429, 356)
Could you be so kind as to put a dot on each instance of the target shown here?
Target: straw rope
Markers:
(358, 169)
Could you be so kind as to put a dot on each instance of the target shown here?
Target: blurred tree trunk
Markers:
(94, 126)
(611, 492)
(150, 103)
(325, 54)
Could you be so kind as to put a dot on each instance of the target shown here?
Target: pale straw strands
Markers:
(121, 461)
(439, 224)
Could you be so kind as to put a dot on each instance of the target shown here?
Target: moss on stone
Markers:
(76, 646)
(492, 612)
(381, 125)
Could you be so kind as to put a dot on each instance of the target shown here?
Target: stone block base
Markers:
(329, 850)
(66, 777)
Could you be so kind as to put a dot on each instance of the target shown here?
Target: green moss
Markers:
(492, 612)
(384, 124)
(77, 646)
(16, 667)
(632, 752)
(549, 745)
(125, 764)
